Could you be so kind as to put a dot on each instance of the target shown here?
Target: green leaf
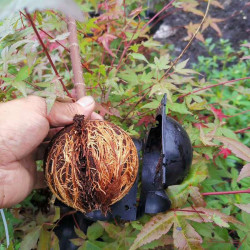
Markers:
(112, 230)
(50, 100)
(30, 239)
(179, 108)
(139, 57)
(80, 233)
(77, 241)
(179, 193)
(89, 245)
(218, 220)
(161, 63)
(152, 105)
(154, 229)
(57, 214)
(44, 240)
(68, 7)
(21, 86)
(95, 231)
(23, 74)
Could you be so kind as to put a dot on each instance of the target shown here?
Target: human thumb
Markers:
(63, 113)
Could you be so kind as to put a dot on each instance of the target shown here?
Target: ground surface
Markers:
(235, 27)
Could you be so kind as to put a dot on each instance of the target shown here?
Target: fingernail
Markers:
(86, 101)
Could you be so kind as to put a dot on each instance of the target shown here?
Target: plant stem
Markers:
(153, 18)
(227, 192)
(46, 33)
(76, 59)
(47, 53)
(242, 131)
(214, 85)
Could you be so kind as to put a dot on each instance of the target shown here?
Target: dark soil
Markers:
(235, 27)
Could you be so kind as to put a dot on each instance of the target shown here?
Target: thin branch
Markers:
(76, 59)
(214, 85)
(227, 192)
(46, 52)
(133, 108)
(54, 38)
(242, 131)
(189, 43)
(154, 17)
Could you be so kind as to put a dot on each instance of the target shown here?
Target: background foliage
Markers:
(127, 72)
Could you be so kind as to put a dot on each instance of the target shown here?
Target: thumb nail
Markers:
(86, 101)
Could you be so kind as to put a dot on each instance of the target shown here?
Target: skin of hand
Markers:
(24, 125)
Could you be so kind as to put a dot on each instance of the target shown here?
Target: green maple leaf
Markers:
(184, 235)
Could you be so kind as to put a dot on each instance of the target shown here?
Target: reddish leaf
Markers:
(136, 11)
(217, 4)
(212, 22)
(146, 120)
(225, 152)
(105, 40)
(199, 125)
(239, 149)
(218, 113)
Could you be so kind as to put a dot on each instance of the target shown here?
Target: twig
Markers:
(242, 131)
(153, 18)
(189, 43)
(46, 52)
(76, 59)
(54, 38)
(227, 192)
(133, 108)
(214, 85)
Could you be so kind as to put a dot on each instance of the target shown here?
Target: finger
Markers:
(95, 116)
(63, 113)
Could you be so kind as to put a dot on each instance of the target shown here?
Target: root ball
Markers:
(91, 164)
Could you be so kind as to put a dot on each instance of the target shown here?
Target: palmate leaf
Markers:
(244, 207)
(68, 7)
(245, 172)
(239, 149)
(179, 193)
(184, 235)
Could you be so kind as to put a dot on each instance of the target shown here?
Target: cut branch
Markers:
(75, 59)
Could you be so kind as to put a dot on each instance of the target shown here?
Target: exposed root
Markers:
(91, 165)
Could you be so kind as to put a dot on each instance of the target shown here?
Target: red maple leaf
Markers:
(146, 120)
(225, 152)
(218, 113)
(199, 125)
(106, 39)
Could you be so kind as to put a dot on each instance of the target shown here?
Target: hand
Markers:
(24, 124)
